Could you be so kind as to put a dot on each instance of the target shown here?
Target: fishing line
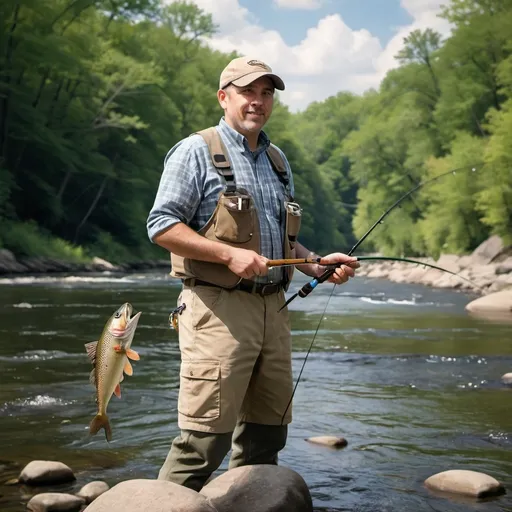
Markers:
(311, 285)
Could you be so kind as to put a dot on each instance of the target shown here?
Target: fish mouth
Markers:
(129, 323)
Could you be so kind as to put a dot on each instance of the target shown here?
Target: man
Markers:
(222, 213)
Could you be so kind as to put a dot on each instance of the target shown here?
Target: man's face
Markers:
(248, 108)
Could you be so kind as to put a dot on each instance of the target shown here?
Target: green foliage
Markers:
(27, 239)
(94, 93)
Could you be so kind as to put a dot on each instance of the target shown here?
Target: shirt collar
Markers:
(240, 141)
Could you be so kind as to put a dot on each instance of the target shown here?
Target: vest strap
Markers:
(219, 155)
(221, 162)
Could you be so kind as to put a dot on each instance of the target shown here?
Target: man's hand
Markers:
(343, 273)
(247, 264)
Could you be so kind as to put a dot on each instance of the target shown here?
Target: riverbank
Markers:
(10, 265)
(487, 269)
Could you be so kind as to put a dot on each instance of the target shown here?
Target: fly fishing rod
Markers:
(311, 285)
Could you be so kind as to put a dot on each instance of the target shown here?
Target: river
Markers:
(401, 371)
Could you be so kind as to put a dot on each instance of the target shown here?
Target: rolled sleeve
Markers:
(181, 187)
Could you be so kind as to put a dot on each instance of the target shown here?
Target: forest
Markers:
(93, 93)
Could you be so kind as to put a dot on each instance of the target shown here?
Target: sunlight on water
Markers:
(401, 371)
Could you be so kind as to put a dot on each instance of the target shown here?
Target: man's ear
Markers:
(221, 96)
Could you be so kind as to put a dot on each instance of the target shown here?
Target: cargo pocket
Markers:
(199, 395)
(235, 219)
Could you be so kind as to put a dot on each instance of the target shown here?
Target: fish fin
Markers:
(128, 369)
(132, 354)
(118, 348)
(117, 391)
(92, 377)
(91, 351)
(100, 421)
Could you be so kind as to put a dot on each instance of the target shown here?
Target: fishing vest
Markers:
(235, 219)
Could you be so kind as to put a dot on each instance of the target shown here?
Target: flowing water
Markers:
(401, 371)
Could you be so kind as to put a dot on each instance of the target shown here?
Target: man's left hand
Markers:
(342, 273)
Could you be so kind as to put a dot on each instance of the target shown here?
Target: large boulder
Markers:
(46, 472)
(488, 251)
(462, 481)
(259, 488)
(150, 496)
(499, 302)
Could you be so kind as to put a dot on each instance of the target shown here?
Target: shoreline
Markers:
(487, 270)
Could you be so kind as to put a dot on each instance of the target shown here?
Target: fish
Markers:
(110, 357)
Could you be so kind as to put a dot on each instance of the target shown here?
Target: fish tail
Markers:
(100, 421)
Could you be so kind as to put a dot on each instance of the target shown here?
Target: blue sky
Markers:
(380, 17)
(321, 47)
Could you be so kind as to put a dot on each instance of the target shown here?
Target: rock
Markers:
(494, 302)
(259, 488)
(46, 472)
(7, 256)
(8, 263)
(449, 262)
(150, 496)
(461, 481)
(92, 490)
(332, 441)
(432, 277)
(55, 502)
(487, 251)
(505, 267)
(101, 264)
(507, 378)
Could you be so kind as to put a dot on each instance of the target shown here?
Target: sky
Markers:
(321, 47)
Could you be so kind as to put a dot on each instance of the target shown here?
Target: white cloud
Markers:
(298, 4)
(330, 58)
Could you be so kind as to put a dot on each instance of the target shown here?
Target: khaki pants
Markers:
(235, 359)
(235, 382)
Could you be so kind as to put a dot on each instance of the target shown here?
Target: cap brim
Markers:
(249, 79)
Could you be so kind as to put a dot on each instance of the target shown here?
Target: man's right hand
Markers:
(247, 264)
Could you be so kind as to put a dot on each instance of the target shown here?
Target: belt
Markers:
(262, 289)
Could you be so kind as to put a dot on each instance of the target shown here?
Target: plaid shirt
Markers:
(190, 187)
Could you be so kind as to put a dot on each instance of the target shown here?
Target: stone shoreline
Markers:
(10, 265)
(487, 270)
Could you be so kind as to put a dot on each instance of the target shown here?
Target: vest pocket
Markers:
(235, 219)
(199, 395)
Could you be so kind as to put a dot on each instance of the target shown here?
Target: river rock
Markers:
(92, 490)
(494, 302)
(450, 262)
(8, 263)
(45, 472)
(507, 378)
(488, 250)
(150, 496)
(332, 441)
(259, 488)
(504, 267)
(101, 264)
(55, 502)
(462, 481)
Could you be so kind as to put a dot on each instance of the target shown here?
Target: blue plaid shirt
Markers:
(190, 188)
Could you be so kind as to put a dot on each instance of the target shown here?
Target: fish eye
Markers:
(117, 315)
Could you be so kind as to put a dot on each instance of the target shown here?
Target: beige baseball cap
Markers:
(244, 70)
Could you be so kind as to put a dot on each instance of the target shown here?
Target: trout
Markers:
(110, 358)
